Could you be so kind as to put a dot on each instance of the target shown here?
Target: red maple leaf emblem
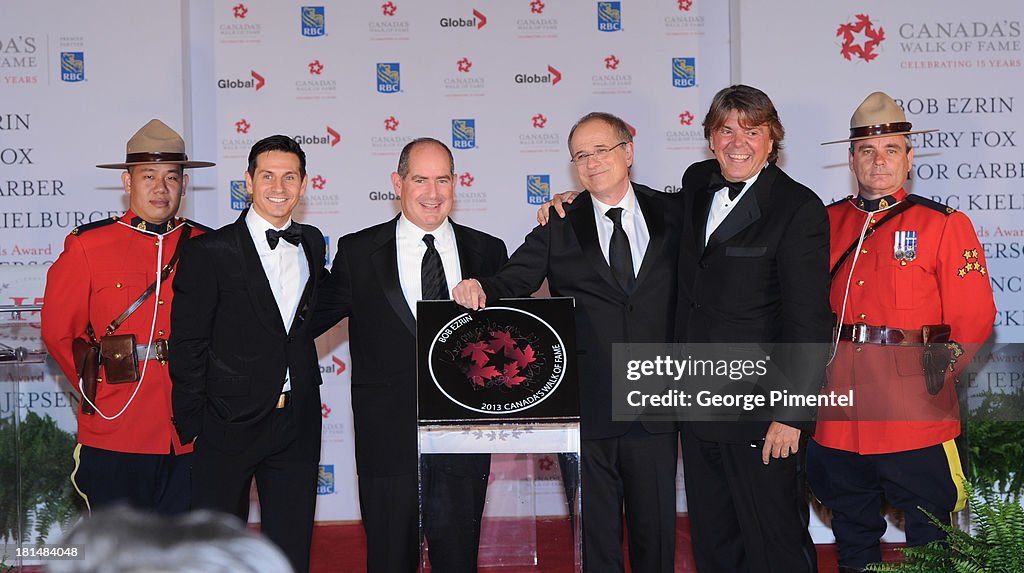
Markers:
(391, 124)
(865, 50)
(501, 340)
(464, 65)
(546, 463)
(523, 357)
(685, 5)
(466, 180)
(611, 62)
(388, 8)
(318, 182)
(240, 11)
(686, 118)
(537, 7)
(316, 68)
(481, 374)
(325, 410)
(242, 126)
(511, 376)
(477, 352)
(539, 120)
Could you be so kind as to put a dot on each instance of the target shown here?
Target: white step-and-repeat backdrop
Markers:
(501, 82)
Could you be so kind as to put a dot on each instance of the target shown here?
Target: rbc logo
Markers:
(239, 196)
(313, 21)
(538, 189)
(325, 480)
(684, 72)
(389, 80)
(72, 66)
(463, 133)
(609, 16)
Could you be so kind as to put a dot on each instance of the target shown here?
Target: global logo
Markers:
(389, 79)
(464, 133)
(684, 72)
(256, 82)
(499, 360)
(332, 138)
(609, 16)
(312, 18)
(325, 479)
(477, 21)
(860, 38)
(552, 77)
(239, 196)
(538, 189)
(72, 66)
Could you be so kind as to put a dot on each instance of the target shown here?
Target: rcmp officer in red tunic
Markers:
(912, 295)
(127, 448)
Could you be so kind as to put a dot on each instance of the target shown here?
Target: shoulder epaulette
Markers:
(838, 201)
(934, 205)
(94, 225)
(199, 226)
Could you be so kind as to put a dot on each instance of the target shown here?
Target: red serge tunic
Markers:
(944, 281)
(103, 269)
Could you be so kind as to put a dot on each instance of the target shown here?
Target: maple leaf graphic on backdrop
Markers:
(477, 352)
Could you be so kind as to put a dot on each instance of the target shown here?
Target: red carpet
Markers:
(342, 547)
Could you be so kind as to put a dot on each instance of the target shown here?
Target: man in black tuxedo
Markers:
(615, 252)
(244, 368)
(753, 268)
(378, 275)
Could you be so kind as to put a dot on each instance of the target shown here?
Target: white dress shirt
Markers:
(286, 268)
(633, 223)
(721, 205)
(411, 249)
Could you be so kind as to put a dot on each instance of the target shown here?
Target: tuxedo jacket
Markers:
(229, 349)
(364, 287)
(567, 252)
(762, 278)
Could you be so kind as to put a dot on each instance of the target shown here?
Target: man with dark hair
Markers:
(908, 272)
(127, 449)
(753, 268)
(245, 370)
(615, 252)
(378, 275)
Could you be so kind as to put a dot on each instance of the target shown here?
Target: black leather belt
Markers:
(284, 400)
(861, 333)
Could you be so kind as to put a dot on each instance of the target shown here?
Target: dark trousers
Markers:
(157, 482)
(634, 472)
(286, 483)
(745, 516)
(454, 491)
(852, 486)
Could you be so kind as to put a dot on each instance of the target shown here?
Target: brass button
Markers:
(157, 243)
(857, 349)
(860, 283)
(872, 220)
(862, 316)
(160, 332)
(903, 263)
(161, 301)
(863, 251)
(118, 285)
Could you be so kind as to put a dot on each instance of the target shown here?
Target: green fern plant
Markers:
(997, 545)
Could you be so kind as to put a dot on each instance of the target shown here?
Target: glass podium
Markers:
(500, 383)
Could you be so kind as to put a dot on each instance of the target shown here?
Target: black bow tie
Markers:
(717, 182)
(292, 234)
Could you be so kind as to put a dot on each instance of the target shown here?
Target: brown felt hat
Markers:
(156, 143)
(878, 116)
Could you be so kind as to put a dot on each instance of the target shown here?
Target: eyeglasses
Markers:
(599, 154)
